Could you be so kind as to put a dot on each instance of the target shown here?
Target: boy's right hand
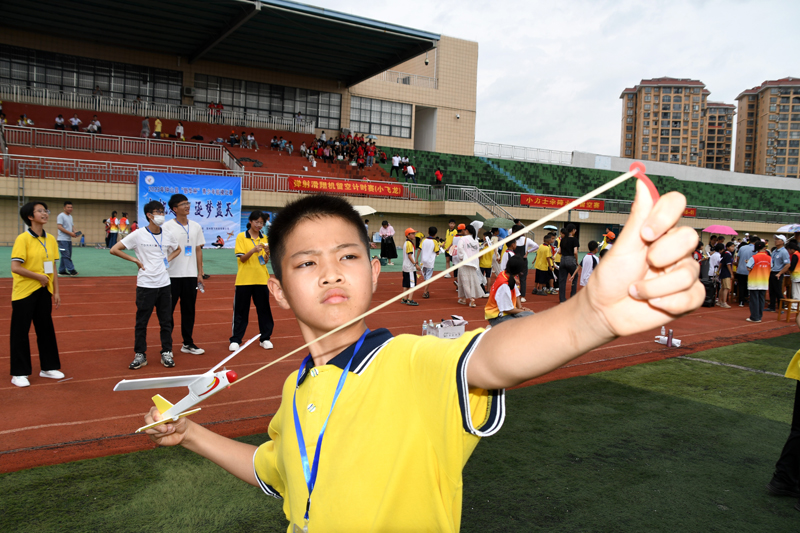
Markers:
(170, 434)
(139, 264)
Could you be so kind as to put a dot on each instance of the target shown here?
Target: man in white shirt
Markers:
(395, 166)
(75, 123)
(154, 249)
(429, 249)
(410, 173)
(713, 263)
(588, 264)
(525, 245)
(59, 122)
(186, 270)
(64, 238)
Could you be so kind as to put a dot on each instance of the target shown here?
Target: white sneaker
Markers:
(267, 345)
(448, 276)
(233, 347)
(523, 300)
(52, 374)
(20, 381)
(192, 349)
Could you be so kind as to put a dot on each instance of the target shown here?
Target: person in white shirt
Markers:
(410, 173)
(429, 249)
(75, 123)
(395, 166)
(59, 122)
(470, 280)
(186, 270)
(322, 137)
(179, 131)
(508, 254)
(154, 249)
(588, 265)
(502, 306)
(713, 264)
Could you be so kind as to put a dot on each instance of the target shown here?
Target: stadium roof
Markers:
(274, 35)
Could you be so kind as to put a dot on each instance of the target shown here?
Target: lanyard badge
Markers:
(164, 257)
(310, 471)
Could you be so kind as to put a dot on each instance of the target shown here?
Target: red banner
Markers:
(554, 202)
(690, 212)
(297, 183)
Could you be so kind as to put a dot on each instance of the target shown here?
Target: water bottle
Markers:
(201, 287)
(663, 331)
(424, 328)
(430, 325)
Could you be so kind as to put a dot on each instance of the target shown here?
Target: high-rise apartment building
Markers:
(719, 135)
(663, 120)
(768, 129)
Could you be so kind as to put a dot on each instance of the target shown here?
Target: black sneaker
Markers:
(411, 302)
(779, 488)
(206, 276)
(139, 360)
(166, 359)
(73, 273)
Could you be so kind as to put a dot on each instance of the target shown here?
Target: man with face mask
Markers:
(154, 250)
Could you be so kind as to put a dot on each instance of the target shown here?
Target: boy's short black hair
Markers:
(592, 246)
(68, 202)
(452, 221)
(26, 211)
(432, 231)
(516, 227)
(754, 239)
(176, 199)
(151, 206)
(310, 207)
(729, 244)
(719, 247)
(603, 252)
(515, 265)
(570, 228)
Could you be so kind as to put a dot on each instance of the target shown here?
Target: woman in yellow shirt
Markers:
(252, 254)
(35, 288)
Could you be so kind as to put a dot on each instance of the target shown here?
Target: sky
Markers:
(550, 73)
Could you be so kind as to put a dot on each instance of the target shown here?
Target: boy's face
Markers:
(328, 278)
(452, 225)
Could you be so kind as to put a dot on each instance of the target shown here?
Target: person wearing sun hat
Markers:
(608, 240)
(410, 265)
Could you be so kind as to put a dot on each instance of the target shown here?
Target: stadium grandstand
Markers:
(177, 86)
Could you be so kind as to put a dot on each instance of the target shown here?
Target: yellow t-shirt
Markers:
(33, 252)
(251, 272)
(542, 254)
(486, 258)
(557, 257)
(448, 238)
(403, 428)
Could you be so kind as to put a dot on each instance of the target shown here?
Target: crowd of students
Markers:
(355, 150)
(760, 275)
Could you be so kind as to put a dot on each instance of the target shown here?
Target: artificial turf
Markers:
(675, 445)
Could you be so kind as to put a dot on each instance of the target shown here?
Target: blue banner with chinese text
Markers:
(216, 202)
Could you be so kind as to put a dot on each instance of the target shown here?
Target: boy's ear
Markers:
(276, 290)
(376, 271)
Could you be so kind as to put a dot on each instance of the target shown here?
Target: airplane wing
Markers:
(234, 354)
(154, 383)
(172, 419)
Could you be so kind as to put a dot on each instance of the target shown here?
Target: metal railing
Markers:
(112, 144)
(71, 100)
(404, 78)
(111, 172)
(522, 153)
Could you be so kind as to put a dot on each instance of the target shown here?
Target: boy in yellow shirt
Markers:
(406, 412)
(544, 266)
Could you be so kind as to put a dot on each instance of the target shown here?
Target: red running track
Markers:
(81, 417)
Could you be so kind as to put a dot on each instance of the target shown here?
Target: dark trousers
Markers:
(146, 300)
(65, 263)
(741, 287)
(775, 291)
(185, 290)
(112, 239)
(523, 280)
(567, 268)
(757, 304)
(241, 311)
(787, 469)
(36, 308)
(392, 171)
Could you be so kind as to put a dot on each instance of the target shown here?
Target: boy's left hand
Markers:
(648, 278)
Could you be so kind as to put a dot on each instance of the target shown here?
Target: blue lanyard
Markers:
(311, 473)
(46, 255)
(186, 229)
(154, 238)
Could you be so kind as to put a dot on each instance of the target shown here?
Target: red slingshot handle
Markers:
(639, 166)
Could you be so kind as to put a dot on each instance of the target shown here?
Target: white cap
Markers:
(781, 237)
(747, 234)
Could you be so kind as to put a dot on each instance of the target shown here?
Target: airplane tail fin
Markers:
(161, 404)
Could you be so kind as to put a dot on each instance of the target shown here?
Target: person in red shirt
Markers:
(211, 111)
(220, 107)
(370, 155)
(439, 176)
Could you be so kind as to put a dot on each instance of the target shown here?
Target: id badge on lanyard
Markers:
(187, 251)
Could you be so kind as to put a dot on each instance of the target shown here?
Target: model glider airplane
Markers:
(201, 387)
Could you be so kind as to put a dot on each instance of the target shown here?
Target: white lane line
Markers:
(738, 367)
